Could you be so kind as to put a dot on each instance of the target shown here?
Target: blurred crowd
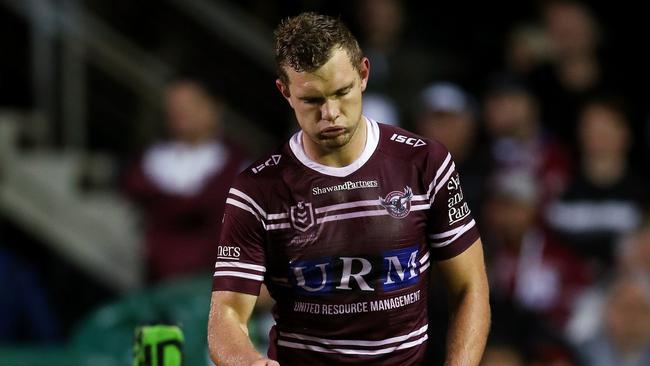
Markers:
(550, 139)
(547, 147)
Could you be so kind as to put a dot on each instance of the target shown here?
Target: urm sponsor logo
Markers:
(391, 271)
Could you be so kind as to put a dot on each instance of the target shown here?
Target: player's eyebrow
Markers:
(311, 98)
(316, 98)
(344, 89)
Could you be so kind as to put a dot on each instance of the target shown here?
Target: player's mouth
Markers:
(332, 132)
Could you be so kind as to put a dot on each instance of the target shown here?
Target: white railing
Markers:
(96, 232)
(85, 40)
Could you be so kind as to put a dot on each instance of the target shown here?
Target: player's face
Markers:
(327, 101)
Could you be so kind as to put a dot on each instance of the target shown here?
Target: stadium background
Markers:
(81, 95)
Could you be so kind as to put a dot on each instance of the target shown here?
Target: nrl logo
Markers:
(302, 216)
(398, 204)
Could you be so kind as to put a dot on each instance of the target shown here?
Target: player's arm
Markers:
(228, 339)
(470, 309)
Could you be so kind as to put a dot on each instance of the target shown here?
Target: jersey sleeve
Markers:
(240, 264)
(450, 227)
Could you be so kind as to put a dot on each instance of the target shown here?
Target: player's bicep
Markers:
(465, 271)
(232, 307)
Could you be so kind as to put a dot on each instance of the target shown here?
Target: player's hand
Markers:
(265, 362)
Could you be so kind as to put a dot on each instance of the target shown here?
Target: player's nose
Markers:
(330, 110)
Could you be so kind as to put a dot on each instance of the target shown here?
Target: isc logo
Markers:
(393, 270)
(407, 140)
(273, 160)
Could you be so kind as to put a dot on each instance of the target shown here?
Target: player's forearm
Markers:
(229, 343)
(469, 327)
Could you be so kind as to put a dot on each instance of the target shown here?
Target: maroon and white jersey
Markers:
(345, 251)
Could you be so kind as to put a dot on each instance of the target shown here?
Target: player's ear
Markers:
(364, 73)
(284, 90)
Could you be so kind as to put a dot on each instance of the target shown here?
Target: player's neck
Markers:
(341, 156)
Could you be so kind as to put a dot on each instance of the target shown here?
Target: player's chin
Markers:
(334, 142)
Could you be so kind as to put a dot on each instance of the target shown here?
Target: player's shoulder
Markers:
(402, 143)
(265, 170)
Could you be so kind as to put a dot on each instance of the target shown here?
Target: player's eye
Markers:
(313, 100)
(342, 93)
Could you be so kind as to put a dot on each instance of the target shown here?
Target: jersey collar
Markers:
(372, 140)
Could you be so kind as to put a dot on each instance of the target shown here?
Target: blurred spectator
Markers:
(602, 200)
(634, 252)
(526, 265)
(380, 108)
(527, 47)
(448, 114)
(578, 65)
(574, 38)
(516, 139)
(625, 336)
(399, 66)
(632, 257)
(181, 184)
(521, 337)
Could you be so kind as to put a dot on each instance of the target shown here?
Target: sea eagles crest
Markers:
(302, 216)
(398, 204)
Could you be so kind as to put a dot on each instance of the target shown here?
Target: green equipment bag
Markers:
(158, 345)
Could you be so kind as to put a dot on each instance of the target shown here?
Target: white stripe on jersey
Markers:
(269, 217)
(364, 213)
(342, 206)
(320, 210)
(351, 351)
(420, 197)
(245, 207)
(253, 267)
(447, 233)
(246, 275)
(352, 215)
(243, 195)
(277, 216)
(458, 232)
(424, 257)
(354, 342)
(442, 168)
(364, 203)
(420, 207)
(424, 267)
(444, 180)
(278, 226)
